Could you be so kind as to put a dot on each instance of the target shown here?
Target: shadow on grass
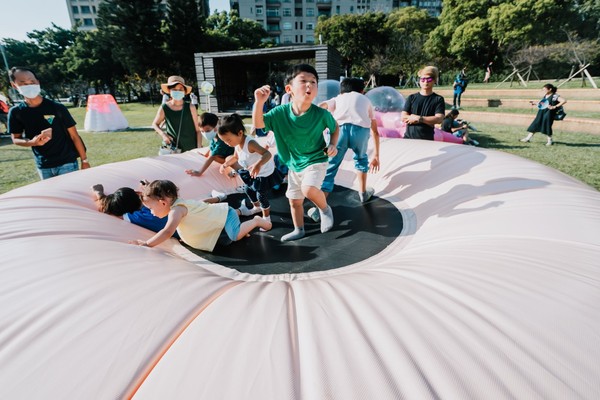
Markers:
(488, 142)
(130, 129)
(577, 144)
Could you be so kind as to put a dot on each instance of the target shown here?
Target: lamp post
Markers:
(4, 57)
(6, 65)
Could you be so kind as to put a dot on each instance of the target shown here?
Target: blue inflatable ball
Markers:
(328, 89)
(385, 99)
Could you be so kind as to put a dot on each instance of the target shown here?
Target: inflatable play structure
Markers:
(490, 291)
(388, 104)
(328, 89)
(103, 114)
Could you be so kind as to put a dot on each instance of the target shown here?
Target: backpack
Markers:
(560, 113)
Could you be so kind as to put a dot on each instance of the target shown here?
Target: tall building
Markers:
(85, 12)
(294, 21)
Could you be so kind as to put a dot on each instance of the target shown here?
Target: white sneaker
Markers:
(219, 195)
(246, 212)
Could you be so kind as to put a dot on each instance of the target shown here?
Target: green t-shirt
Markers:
(299, 139)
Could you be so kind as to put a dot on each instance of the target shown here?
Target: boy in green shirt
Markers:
(298, 127)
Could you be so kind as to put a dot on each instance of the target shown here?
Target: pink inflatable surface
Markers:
(390, 125)
(492, 291)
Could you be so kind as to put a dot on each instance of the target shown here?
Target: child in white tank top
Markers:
(253, 163)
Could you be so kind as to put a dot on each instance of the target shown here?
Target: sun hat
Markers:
(172, 81)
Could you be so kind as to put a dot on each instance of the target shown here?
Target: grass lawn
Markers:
(533, 110)
(577, 155)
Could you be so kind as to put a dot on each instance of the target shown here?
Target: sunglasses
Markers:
(427, 79)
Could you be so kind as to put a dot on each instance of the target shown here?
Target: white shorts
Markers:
(312, 175)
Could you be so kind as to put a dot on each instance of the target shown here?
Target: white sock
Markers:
(326, 219)
(297, 233)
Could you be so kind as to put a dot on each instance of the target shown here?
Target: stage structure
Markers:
(235, 74)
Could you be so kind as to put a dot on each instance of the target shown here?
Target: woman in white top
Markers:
(253, 163)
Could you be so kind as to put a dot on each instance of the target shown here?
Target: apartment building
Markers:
(294, 21)
(85, 12)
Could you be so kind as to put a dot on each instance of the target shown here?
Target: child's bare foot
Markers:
(193, 172)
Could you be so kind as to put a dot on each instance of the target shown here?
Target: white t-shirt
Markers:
(352, 108)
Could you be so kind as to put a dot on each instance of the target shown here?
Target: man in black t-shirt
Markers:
(45, 126)
(424, 109)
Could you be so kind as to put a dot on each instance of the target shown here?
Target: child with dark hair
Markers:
(125, 203)
(354, 114)
(253, 163)
(218, 151)
(457, 127)
(199, 224)
(298, 127)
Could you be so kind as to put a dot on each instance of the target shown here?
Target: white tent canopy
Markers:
(492, 291)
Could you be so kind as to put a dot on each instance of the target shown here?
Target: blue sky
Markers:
(43, 12)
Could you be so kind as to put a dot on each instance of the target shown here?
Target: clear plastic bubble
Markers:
(386, 98)
(328, 89)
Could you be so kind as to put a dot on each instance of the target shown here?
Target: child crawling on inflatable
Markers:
(199, 224)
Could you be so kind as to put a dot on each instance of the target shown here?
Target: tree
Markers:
(227, 31)
(528, 21)
(41, 53)
(588, 18)
(184, 36)
(463, 33)
(134, 26)
(408, 28)
(473, 32)
(52, 44)
(358, 37)
(90, 63)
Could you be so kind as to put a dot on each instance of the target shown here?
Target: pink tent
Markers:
(492, 291)
(103, 114)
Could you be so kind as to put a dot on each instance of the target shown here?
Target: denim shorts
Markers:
(46, 173)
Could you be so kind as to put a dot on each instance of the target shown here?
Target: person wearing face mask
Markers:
(180, 130)
(218, 150)
(45, 126)
(424, 109)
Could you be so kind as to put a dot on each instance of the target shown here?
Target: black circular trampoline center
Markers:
(360, 231)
